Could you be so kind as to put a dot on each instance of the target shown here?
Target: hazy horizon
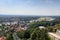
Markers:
(30, 7)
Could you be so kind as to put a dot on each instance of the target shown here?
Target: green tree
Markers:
(40, 34)
(26, 34)
(20, 34)
(58, 26)
(9, 36)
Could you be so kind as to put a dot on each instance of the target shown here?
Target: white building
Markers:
(9, 23)
(0, 24)
(41, 27)
(58, 32)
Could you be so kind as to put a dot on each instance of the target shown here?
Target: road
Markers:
(54, 35)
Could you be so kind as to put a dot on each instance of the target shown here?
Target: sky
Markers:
(30, 7)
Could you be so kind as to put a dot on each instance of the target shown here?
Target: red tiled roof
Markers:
(2, 38)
